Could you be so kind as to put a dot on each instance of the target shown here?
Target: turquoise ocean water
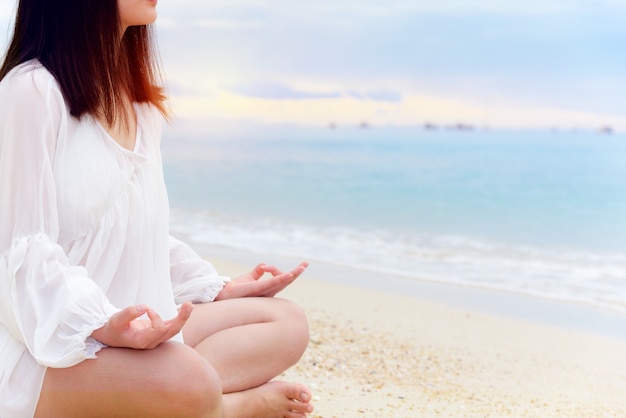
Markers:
(534, 213)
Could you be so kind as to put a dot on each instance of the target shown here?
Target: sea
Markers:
(535, 213)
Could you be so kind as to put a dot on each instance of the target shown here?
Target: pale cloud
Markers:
(280, 91)
(227, 24)
(169, 23)
(550, 62)
(384, 96)
(273, 90)
(377, 95)
(177, 89)
(383, 9)
(349, 13)
(411, 110)
(214, 14)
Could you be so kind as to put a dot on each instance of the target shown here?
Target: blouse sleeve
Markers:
(193, 278)
(47, 304)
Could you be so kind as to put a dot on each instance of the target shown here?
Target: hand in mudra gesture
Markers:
(127, 329)
(252, 284)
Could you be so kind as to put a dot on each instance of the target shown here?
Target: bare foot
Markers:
(271, 400)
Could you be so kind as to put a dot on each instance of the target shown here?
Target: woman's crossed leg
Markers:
(234, 348)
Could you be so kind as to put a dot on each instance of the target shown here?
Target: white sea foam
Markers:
(598, 279)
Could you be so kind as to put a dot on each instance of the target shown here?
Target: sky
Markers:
(489, 63)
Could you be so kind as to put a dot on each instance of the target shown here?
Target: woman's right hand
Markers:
(125, 329)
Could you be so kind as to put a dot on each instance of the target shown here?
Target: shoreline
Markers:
(375, 353)
(542, 311)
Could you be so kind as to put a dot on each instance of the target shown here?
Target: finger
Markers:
(151, 337)
(183, 313)
(273, 270)
(289, 279)
(185, 310)
(174, 325)
(277, 283)
(258, 271)
(121, 319)
(285, 280)
(155, 321)
(300, 269)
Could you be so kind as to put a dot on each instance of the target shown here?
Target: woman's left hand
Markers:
(251, 285)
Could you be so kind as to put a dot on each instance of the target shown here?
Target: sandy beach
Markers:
(382, 354)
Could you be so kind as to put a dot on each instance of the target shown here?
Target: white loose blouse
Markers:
(83, 233)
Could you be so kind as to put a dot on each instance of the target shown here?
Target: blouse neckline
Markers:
(138, 135)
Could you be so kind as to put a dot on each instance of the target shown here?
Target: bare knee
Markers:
(190, 385)
(296, 327)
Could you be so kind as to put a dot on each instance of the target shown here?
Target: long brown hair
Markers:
(78, 41)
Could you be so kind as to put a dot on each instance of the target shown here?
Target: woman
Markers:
(87, 267)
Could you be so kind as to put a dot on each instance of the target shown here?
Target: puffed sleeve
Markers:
(193, 278)
(47, 304)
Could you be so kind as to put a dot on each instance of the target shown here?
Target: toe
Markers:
(300, 407)
(292, 414)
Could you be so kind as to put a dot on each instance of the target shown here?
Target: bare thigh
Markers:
(248, 341)
(208, 319)
(170, 380)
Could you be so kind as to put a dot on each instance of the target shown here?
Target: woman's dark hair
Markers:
(78, 41)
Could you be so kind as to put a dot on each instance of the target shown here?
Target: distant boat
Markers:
(364, 125)
(606, 130)
(332, 125)
(463, 127)
(430, 126)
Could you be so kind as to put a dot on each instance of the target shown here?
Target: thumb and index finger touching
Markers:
(157, 332)
(131, 313)
(263, 268)
(122, 318)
